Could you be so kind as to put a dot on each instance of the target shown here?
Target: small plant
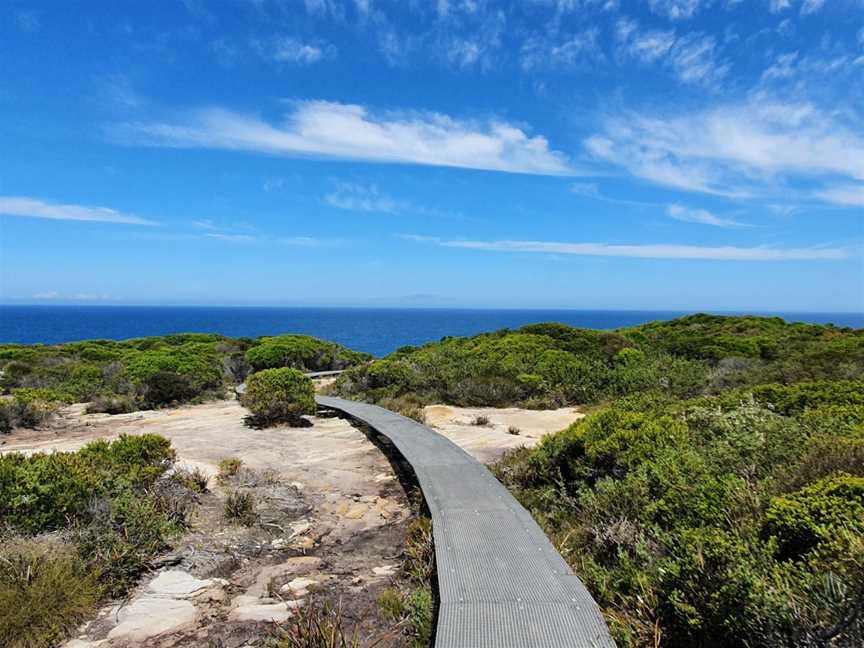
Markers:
(46, 590)
(329, 626)
(481, 421)
(240, 507)
(228, 467)
(195, 479)
(112, 405)
(515, 431)
(391, 602)
(283, 394)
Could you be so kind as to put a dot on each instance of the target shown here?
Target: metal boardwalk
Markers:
(501, 582)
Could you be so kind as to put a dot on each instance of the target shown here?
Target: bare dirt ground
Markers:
(331, 519)
(507, 428)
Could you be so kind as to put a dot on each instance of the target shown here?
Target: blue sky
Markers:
(665, 154)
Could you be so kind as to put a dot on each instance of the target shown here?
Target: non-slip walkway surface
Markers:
(501, 582)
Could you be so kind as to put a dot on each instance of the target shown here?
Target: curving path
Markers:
(501, 582)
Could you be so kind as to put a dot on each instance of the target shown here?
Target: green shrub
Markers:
(301, 352)
(800, 521)
(678, 517)
(46, 592)
(112, 405)
(228, 467)
(279, 395)
(43, 492)
(240, 507)
(194, 479)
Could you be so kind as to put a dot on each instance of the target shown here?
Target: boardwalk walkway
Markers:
(501, 582)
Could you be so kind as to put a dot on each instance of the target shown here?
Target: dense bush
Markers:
(301, 352)
(46, 591)
(45, 491)
(551, 364)
(730, 521)
(279, 395)
(117, 377)
(110, 508)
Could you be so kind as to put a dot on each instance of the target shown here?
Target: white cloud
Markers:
(776, 6)
(585, 189)
(733, 150)
(35, 208)
(540, 52)
(231, 238)
(695, 59)
(852, 195)
(701, 216)
(53, 295)
(352, 132)
(355, 197)
(675, 9)
(284, 49)
(646, 251)
(811, 6)
(28, 21)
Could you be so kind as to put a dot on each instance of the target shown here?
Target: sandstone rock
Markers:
(178, 584)
(150, 617)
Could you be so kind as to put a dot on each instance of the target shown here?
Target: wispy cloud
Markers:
(645, 251)
(35, 208)
(694, 58)
(353, 132)
(363, 198)
(53, 295)
(646, 46)
(285, 49)
(852, 194)
(700, 216)
(231, 238)
(675, 9)
(733, 150)
(543, 52)
(591, 190)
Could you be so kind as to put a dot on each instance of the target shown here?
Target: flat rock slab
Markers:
(150, 617)
(178, 584)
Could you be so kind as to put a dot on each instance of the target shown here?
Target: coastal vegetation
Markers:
(81, 526)
(123, 376)
(714, 494)
(274, 395)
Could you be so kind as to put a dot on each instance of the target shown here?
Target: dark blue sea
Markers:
(375, 330)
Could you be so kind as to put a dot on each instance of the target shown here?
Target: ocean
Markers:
(378, 331)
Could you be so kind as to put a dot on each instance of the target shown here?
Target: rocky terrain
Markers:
(330, 521)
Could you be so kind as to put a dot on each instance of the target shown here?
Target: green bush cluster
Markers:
(79, 526)
(543, 365)
(302, 352)
(122, 376)
(283, 394)
(724, 521)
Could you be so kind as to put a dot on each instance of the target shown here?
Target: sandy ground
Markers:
(488, 442)
(333, 516)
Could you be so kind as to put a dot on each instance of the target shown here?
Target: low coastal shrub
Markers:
(283, 394)
(46, 592)
(713, 521)
(240, 507)
(121, 376)
(552, 365)
(302, 352)
(109, 508)
(228, 467)
(195, 479)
